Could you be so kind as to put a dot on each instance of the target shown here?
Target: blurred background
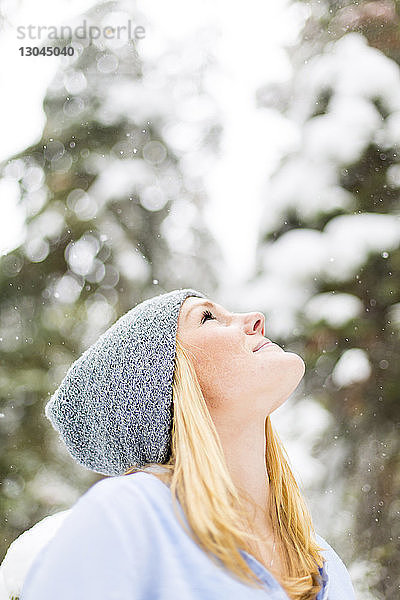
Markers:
(251, 153)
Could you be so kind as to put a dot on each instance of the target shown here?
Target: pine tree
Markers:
(114, 214)
(333, 207)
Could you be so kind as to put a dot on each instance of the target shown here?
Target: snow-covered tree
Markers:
(114, 204)
(328, 271)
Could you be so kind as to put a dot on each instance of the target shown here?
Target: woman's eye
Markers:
(206, 315)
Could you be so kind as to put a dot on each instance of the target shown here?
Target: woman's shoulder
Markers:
(141, 488)
(103, 506)
(340, 584)
(327, 551)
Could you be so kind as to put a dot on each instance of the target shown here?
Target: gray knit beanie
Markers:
(113, 408)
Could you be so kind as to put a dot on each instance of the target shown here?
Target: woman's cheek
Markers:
(218, 382)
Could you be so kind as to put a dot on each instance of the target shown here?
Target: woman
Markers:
(176, 396)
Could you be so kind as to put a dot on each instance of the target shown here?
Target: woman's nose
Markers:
(255, 322)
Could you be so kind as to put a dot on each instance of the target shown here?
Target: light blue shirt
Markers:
(122, 541)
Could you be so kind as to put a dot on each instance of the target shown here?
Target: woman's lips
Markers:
(269, 343)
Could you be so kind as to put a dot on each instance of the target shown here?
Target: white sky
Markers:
(249, 53)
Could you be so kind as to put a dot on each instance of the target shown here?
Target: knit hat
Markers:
(113, 409)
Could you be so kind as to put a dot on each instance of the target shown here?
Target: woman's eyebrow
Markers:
(202, 304)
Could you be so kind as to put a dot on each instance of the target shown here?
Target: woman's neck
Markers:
(244, 448)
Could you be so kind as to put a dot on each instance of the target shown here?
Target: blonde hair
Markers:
(200, 480)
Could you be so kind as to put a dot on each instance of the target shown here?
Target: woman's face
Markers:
(232, 375)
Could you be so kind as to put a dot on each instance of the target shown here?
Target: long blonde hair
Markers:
(199, 480)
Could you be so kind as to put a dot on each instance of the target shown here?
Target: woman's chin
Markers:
(300, 362)
(296, 369)
(293, 357)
